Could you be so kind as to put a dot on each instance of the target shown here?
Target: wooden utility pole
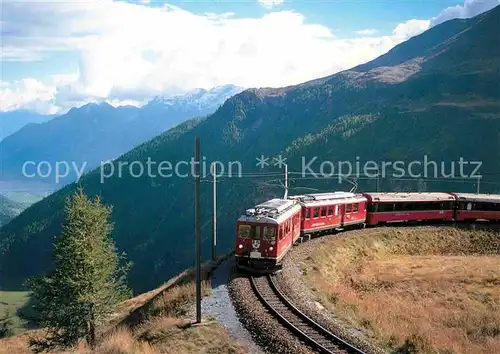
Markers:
(197, 212)
(214, 213)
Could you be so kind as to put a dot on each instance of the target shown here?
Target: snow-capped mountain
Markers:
(198, 99)
(98, 132)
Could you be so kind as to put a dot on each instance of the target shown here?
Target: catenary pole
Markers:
(214, 212)
(197, 212)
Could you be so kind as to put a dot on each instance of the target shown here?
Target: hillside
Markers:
(419, 289)
(86, 136)
(442, 100)
(9, 209)
(158, 321)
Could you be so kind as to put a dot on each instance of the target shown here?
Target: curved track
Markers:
(314, 335)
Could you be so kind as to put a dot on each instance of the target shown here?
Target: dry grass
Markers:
(15, 345)
(178, 336)
(174, 303)
(416, 290)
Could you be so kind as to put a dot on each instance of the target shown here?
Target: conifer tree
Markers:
(87, 281)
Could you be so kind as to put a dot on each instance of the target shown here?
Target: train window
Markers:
(385, 207)
(323, 211)
(336, 210)
(469, 206)
(486, 206)
(355, 207)
(348, 208)
(269, 234)
(308, 213)
(330, 210)
(244, 231)
(316, 212)
(256, 232)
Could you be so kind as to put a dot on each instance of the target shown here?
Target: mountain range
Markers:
(436, 95)
(11, 122)
(96, 132)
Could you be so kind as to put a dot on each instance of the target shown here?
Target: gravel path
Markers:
(219, 305)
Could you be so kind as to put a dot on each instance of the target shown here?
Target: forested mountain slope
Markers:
(437, 94)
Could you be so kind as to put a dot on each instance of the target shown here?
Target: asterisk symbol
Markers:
(262, 161)
(280, 161)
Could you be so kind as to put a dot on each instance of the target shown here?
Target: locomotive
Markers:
(265, 233)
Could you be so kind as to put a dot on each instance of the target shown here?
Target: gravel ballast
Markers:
(266, 331)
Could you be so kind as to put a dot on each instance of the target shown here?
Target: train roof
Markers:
(409, 197)
(272, 211)
(488, 198)
(327, 198)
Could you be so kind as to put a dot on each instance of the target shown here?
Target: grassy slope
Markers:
(354, 114)
(153, 322)
(423, 288)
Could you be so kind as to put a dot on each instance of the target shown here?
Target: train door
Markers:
(342, 213)
(256, 241)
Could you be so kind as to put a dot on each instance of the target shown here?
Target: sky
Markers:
(60, 54)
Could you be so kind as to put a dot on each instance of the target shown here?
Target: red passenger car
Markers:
(265, 233)
(477, 206)
(324, 212)
(398, 207)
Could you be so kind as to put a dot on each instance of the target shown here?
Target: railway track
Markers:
(310, 332)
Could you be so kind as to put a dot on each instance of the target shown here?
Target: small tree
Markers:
(87, 281)
(6, 325)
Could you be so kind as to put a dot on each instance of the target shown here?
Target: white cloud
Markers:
(130, 52)
(28, 94)
(470, 8)
(271, 3)
(410, 28)
(366, 32)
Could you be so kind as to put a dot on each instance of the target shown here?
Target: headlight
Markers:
(240, 247)
(271, 249)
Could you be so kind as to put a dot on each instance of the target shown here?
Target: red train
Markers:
(266, 233)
